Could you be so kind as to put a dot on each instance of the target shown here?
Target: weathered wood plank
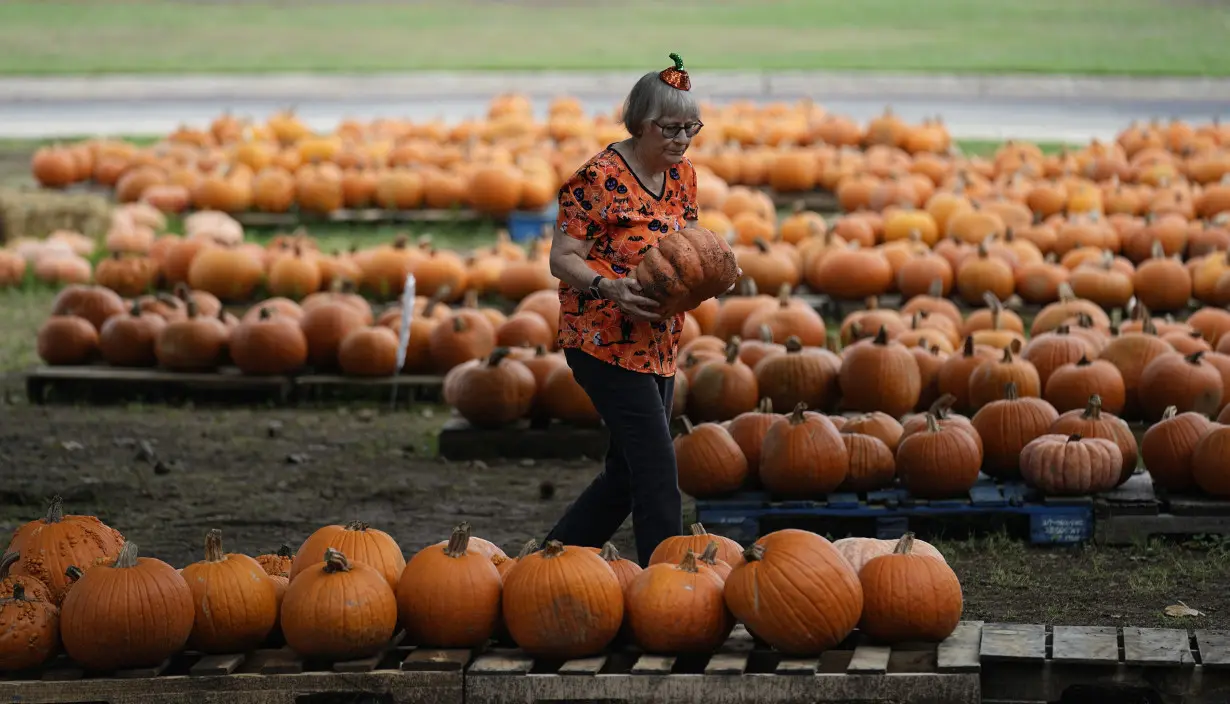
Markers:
(143, 672)
(727, 664)
(1085, 645)
(653, 665)
(215, 665)
(507, 663)
(1013, 641)
(798, 667)
(583, 666)
(432, 660)
(959, 651)
(1214, 648)
(1156, 646)
(869, 659)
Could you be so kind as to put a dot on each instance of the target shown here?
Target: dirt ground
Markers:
(267, 477)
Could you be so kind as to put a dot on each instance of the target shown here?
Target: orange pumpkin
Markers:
(909, 596)
(52, 544)
(680, 608)
(336, 609)
(450, 597)
(236, 602)
(367, 545)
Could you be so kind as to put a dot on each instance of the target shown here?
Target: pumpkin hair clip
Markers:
(676, 76)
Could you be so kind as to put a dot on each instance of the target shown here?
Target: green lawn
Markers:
(1079, 36)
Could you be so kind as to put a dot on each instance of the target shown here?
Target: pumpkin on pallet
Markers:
(31, 627)
(709, 460)
(678, 609)
(337, 609)
(359, 543)
(236, 602)
(449, 597)
(47, 547)
(672, 550)
(1072, 465)
(492, 392)
(908, 596)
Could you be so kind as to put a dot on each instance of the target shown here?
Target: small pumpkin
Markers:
(989, 379)
(50, 545)
(450, 597)
(31, 628)
(710, 462)
(236, 602)
(748, 430)
(1092, 422)
(625, 570)
(802, 375)
(859, 551)
(674, 609)
(338, 610)
(721, 390)
(1072, 465)
(134, 612)
(872, 465)
(909, 596)
(1070, 386)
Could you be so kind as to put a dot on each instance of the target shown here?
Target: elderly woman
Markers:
(614, 209)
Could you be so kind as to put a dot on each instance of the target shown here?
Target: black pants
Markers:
(640, 477)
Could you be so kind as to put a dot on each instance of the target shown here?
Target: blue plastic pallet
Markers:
(525, 225)
(1056, 521)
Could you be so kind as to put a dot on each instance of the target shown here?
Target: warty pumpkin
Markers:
(33, 587)
(710, 462)
(134, 612)
(360, 541)
(1092, 422)
(588, 602)
(1071, 465)
(939, 462)
(675, 609)
(31, 630)
(235, 601)
(796, 592)
(49, 545)
(803, 455)
(1007, 426)
(449, 597)
(672, 550)
(338, 610)
(909, 597)
(1168, 445)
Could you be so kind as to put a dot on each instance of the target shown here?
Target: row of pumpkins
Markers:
(74, 581)
(212, 256)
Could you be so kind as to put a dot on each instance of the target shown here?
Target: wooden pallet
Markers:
(400, 675)
(106, 384)
(553, 440)
(372, 216)
(1036, 663)
(820, 201)
(740, 671)
(889, 513)
(410, 388)
(1136, 511)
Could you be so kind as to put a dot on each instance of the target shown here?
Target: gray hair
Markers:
(652, 98)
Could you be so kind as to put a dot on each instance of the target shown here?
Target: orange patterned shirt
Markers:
(604, 202)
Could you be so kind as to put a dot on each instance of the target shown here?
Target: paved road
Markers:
(1049, 108)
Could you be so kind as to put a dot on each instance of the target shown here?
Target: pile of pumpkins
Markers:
(72, 582)
(939, 396)
(508, 161)
(213, 256)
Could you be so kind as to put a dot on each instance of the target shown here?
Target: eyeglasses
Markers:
(671, 131)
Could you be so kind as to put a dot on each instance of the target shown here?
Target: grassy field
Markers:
(1045, 36)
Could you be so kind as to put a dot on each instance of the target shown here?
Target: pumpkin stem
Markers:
(266, 313)
(1074, 437)
(687, 425)
(1093, 411)
(698, 529)
(190, 304)
(357, 525)
(213, 546)
(135, 310)
(73, 573)
(766, 334)
(933, 425)
(470, 299)
(709, 556)
(797, 416)
(335, 561)
(459, 541)
(127, 557)
(6, 562)
(1083, 361)
(993, 303)
(765, 405)
(967, 350)
(19, 590)
(942, 406)
(761, 245)
(688, 563)
(285, 551)
(609, 552)
(881, 337)
(529, 548)
(554, 548)
(905, 546)
(1194, 357)
(793, 343)
(1007, 359)
(459, 324)
(936, 289)
(1066, 294)
(1010, 391)
(497, 356)
(732, 349)
(540, 351)
(1063, 330)
(55, 511)
(1169, 413)
(754, 552)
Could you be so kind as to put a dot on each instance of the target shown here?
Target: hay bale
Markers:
(37, 213)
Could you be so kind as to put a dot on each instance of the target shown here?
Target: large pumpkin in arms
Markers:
(687, 267)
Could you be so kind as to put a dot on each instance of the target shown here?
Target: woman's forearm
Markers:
(572, 270)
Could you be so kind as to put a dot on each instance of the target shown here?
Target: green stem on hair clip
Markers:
(678, 61)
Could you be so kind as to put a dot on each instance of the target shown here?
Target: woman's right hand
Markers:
(626, 293)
